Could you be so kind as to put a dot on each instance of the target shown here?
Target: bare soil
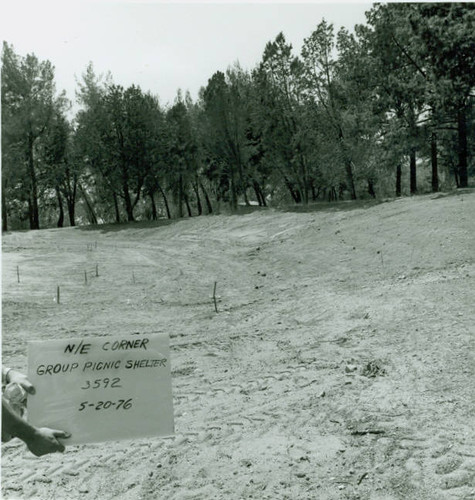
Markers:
(340, 364)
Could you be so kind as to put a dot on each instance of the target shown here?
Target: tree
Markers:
(224, 119)
(128, 140)
(157, 157)
(446, 36)
(195, 117)
(52, 160)
(28, 104)
(320, 73)
(359, 112)
(89, 147)
(398, 75)
(278, 80)
(117, 138)
(182, 149)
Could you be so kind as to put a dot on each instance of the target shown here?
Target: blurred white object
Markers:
(16, 396)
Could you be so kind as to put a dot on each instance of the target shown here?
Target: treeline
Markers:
(353, 115)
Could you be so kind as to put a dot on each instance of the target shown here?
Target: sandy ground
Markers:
(340, 364)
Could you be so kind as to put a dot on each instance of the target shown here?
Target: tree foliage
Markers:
(386, 108)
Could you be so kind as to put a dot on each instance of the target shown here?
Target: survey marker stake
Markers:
(214, 296)
(380, 252)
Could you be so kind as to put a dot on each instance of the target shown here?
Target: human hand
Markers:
(45, 440)
(22, 380)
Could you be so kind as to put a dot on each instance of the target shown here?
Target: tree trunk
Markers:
(241, 174)
(232, 186)
(412, 167)
(90, 210)
(304, 179)
(128, 202)
(70, 191)
(301, 193)
(208, 202)
(116, 208)
(314, 193)
(60, 207)
(180, 196)
(294, 194)
(332, 196)
(35, 216)
(398, 180)
(435, 177)
(371, 188)
(165, 201)
(187, 203)
(341, 190)
(462, 148)
(348, 166)
(30, 210)
(263, 198)
(198, 199)
(4, 209)
(154, 207)
(256, 192)
(351, 180)
(246, 199)
(456, 177)
(243, 185)
(259, 195)
(71, 212)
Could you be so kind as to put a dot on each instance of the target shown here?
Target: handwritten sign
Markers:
(102, 388)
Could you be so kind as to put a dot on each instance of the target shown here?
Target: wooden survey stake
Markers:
(102, 388)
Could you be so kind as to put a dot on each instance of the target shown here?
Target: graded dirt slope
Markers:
(340, 364)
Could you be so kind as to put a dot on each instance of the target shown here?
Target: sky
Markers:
(160, 46)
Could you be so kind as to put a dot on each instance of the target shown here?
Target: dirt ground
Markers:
(340, 364)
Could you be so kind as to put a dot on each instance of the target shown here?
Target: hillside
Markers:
(340, 364)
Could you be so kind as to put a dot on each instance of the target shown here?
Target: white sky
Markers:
(161, 46)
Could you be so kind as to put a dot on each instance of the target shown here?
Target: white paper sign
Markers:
(102, 388)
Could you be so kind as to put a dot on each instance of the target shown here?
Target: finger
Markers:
(61, 448)
(28, 386)
(61, 434)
